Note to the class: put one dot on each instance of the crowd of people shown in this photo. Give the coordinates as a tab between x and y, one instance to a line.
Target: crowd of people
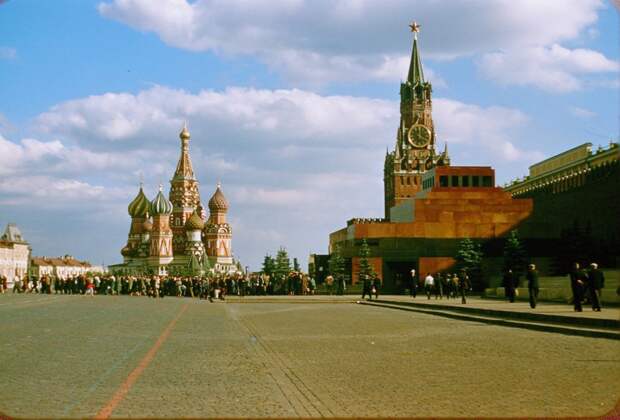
212	287
586	285
449	285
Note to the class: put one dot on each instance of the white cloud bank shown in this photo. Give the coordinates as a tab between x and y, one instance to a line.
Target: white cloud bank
282	155
320	41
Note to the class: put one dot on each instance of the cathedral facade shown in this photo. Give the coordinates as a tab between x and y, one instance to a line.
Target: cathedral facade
173	235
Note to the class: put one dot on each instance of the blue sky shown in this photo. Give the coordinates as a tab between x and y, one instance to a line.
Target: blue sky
291	104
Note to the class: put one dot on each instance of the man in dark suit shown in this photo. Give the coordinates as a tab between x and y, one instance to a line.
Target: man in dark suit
532	284
509	283
578	280
596	282
366	287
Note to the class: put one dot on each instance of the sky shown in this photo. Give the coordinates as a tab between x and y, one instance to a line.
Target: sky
291	104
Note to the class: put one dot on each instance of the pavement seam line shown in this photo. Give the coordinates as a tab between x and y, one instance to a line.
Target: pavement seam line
122	390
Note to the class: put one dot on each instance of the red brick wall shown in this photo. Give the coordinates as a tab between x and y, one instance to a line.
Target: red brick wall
435	264
375	262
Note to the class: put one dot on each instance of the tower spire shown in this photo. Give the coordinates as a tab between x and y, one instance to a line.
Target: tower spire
184	167
415	75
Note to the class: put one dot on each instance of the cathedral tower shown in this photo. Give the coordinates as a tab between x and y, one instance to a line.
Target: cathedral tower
184	195
138	210
218	233
161	234
414	152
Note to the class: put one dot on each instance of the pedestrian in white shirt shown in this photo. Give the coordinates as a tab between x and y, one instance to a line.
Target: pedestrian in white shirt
429	282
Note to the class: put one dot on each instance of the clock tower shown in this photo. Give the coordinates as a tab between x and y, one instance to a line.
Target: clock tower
414	153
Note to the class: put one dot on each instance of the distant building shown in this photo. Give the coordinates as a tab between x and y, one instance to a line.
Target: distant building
430	206
61	267
14	254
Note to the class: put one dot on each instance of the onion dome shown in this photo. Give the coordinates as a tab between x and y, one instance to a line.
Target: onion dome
147	226
195	222
160	204
184	135
139	206
126	251
218	202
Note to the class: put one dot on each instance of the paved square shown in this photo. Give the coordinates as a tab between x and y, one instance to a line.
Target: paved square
75	356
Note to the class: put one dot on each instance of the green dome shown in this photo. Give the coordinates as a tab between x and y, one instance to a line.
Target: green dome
160	205
195	222
139	206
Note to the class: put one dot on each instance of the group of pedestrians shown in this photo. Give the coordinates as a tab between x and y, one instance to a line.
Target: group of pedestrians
336	285
586	285
449	285
211	287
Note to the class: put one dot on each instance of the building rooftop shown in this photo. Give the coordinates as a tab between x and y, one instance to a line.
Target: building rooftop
12	234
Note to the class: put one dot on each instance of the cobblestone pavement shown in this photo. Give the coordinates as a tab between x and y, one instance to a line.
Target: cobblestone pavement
67	356
518	306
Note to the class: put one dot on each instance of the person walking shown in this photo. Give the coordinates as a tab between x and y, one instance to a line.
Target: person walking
329	284
532	284
439	286
596	282
366	287
342	285
429	282
413	290
509	284
578	280
463	284
376	285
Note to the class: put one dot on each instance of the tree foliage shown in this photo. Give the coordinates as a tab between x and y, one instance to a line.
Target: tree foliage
469	258
365	267
282	263
269	265
296	266
515	257
336	263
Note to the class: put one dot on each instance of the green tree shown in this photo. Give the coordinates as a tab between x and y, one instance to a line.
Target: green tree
514	254
282	263
365	267
269	265
336	263
296	266
469	258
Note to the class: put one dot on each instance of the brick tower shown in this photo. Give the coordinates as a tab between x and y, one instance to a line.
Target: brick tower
184	195
414	152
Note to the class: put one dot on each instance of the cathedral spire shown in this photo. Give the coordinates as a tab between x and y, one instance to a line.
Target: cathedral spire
415	75
184	167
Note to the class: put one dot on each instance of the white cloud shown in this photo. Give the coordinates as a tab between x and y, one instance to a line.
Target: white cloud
553	68
314	42
581	112
282	155
7	53
492	130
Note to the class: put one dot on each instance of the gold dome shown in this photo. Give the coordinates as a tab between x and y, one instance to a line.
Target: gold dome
218	202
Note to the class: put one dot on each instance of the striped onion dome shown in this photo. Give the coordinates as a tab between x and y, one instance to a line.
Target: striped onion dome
139	206
160	204
218	202
195	222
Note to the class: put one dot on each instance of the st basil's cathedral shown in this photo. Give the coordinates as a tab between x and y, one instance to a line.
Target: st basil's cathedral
173	235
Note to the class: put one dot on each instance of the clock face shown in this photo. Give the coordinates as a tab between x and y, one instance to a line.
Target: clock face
419	135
